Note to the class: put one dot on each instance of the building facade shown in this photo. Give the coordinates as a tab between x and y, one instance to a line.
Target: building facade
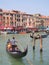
41	20
17	18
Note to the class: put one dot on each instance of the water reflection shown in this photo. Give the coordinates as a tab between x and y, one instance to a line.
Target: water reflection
33	54
15	61
41	57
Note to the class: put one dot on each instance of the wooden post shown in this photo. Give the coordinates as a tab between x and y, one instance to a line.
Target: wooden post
41	44
33	43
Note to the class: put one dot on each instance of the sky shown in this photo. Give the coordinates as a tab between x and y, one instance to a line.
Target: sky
28	6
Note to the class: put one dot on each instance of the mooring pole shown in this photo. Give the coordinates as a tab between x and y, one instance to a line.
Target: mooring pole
33	43
41	44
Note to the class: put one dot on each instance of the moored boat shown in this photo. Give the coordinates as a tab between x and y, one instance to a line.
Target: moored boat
37	35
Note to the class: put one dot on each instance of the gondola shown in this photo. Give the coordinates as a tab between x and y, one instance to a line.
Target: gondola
36	37
18	53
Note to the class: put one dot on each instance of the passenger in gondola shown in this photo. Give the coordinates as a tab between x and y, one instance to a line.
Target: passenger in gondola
9	46
17	49
8	41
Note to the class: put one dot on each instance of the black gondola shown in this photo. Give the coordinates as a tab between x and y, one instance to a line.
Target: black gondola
38	36
17	53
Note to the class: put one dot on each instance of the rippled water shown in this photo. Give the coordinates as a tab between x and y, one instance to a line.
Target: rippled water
32	57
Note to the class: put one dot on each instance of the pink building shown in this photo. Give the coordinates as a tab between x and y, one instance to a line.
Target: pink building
14	18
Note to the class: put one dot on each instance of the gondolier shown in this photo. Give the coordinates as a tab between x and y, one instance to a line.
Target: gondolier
13	43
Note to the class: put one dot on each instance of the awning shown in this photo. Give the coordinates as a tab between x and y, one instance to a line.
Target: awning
19	28
4	28
1	27
8	27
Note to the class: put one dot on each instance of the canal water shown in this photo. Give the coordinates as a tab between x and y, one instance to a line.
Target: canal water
32	57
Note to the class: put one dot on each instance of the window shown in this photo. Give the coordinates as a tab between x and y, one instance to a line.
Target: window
18	20
11	14
7	17
11	18
0	14
29	23
7	13
4	18
11	23
18	15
